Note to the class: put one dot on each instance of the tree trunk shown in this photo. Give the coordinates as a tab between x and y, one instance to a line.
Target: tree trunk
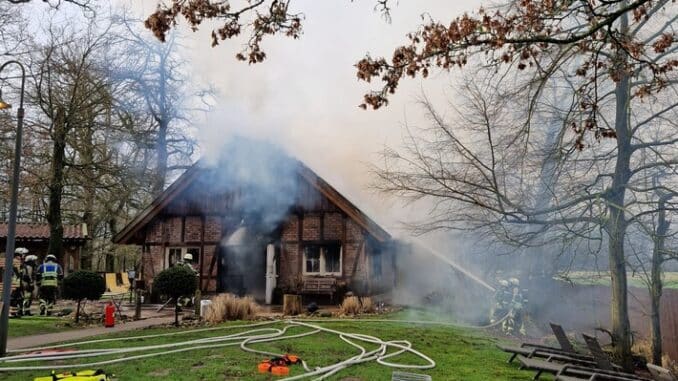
656	282
77	312
89	186
161	152
162	117
617	224
655	310
621	327
56	186
291	304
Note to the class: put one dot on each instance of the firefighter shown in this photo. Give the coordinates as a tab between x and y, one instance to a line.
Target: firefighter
502	299
49	274
16	292
29	270
514	323
187	261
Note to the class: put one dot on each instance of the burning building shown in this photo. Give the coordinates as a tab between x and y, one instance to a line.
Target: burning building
256	219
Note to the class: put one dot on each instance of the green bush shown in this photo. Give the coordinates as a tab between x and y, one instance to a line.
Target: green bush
175	282
81	285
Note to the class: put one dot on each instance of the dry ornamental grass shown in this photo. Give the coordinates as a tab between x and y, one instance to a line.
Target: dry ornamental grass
367	305
226	307
352	305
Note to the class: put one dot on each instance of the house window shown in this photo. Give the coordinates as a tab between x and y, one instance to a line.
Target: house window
312	259
175	254
322	260
333	259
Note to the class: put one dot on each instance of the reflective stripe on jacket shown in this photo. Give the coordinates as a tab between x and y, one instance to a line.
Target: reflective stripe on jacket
50	273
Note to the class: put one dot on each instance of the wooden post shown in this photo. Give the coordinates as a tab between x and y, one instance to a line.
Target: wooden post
137	305
291	304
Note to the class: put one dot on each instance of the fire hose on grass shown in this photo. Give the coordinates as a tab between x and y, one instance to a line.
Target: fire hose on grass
242	339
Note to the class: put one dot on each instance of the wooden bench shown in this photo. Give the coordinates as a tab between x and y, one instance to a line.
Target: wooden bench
320	286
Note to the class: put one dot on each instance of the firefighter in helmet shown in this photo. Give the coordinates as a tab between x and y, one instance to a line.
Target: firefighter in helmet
16	294
29	270
514	323
49	274
502	298
186	261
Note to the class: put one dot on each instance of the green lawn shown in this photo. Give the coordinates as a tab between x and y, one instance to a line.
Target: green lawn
670	279
460	354
35	325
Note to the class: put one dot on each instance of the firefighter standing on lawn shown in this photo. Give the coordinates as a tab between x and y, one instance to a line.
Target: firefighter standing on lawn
16	295
502	301
29	269
48	276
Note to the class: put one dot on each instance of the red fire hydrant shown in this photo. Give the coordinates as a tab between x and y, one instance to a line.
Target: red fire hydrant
109	315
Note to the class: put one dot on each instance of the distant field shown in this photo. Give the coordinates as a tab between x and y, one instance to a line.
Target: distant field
603	278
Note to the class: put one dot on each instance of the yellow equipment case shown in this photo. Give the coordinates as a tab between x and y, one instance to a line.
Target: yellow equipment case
84	375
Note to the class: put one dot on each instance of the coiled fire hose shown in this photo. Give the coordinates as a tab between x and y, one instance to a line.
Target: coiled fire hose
256	334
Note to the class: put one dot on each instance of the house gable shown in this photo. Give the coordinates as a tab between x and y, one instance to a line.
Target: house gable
193	194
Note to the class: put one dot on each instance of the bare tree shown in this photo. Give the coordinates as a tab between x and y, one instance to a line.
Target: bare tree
649	240
69	91
90	139
56	4
158	84
614	53
483	172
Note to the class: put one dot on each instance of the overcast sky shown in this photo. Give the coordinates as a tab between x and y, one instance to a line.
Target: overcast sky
305	96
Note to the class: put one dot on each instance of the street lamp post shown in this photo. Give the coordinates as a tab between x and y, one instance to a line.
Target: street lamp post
11	226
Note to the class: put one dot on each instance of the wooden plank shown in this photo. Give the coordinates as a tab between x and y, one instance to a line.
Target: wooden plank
355	263
217	252
183	228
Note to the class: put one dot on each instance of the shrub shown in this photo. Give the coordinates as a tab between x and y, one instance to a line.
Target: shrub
81	285
350	306
230	307
175	282
367	305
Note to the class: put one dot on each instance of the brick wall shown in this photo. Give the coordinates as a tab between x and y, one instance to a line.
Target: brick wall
193	229
173	227
290	259
155	230
352	252
212	229
311	228
353	231
290	229
333	226
153	262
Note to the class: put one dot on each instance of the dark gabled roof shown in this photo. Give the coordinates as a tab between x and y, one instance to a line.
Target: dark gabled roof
186	179
34	231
